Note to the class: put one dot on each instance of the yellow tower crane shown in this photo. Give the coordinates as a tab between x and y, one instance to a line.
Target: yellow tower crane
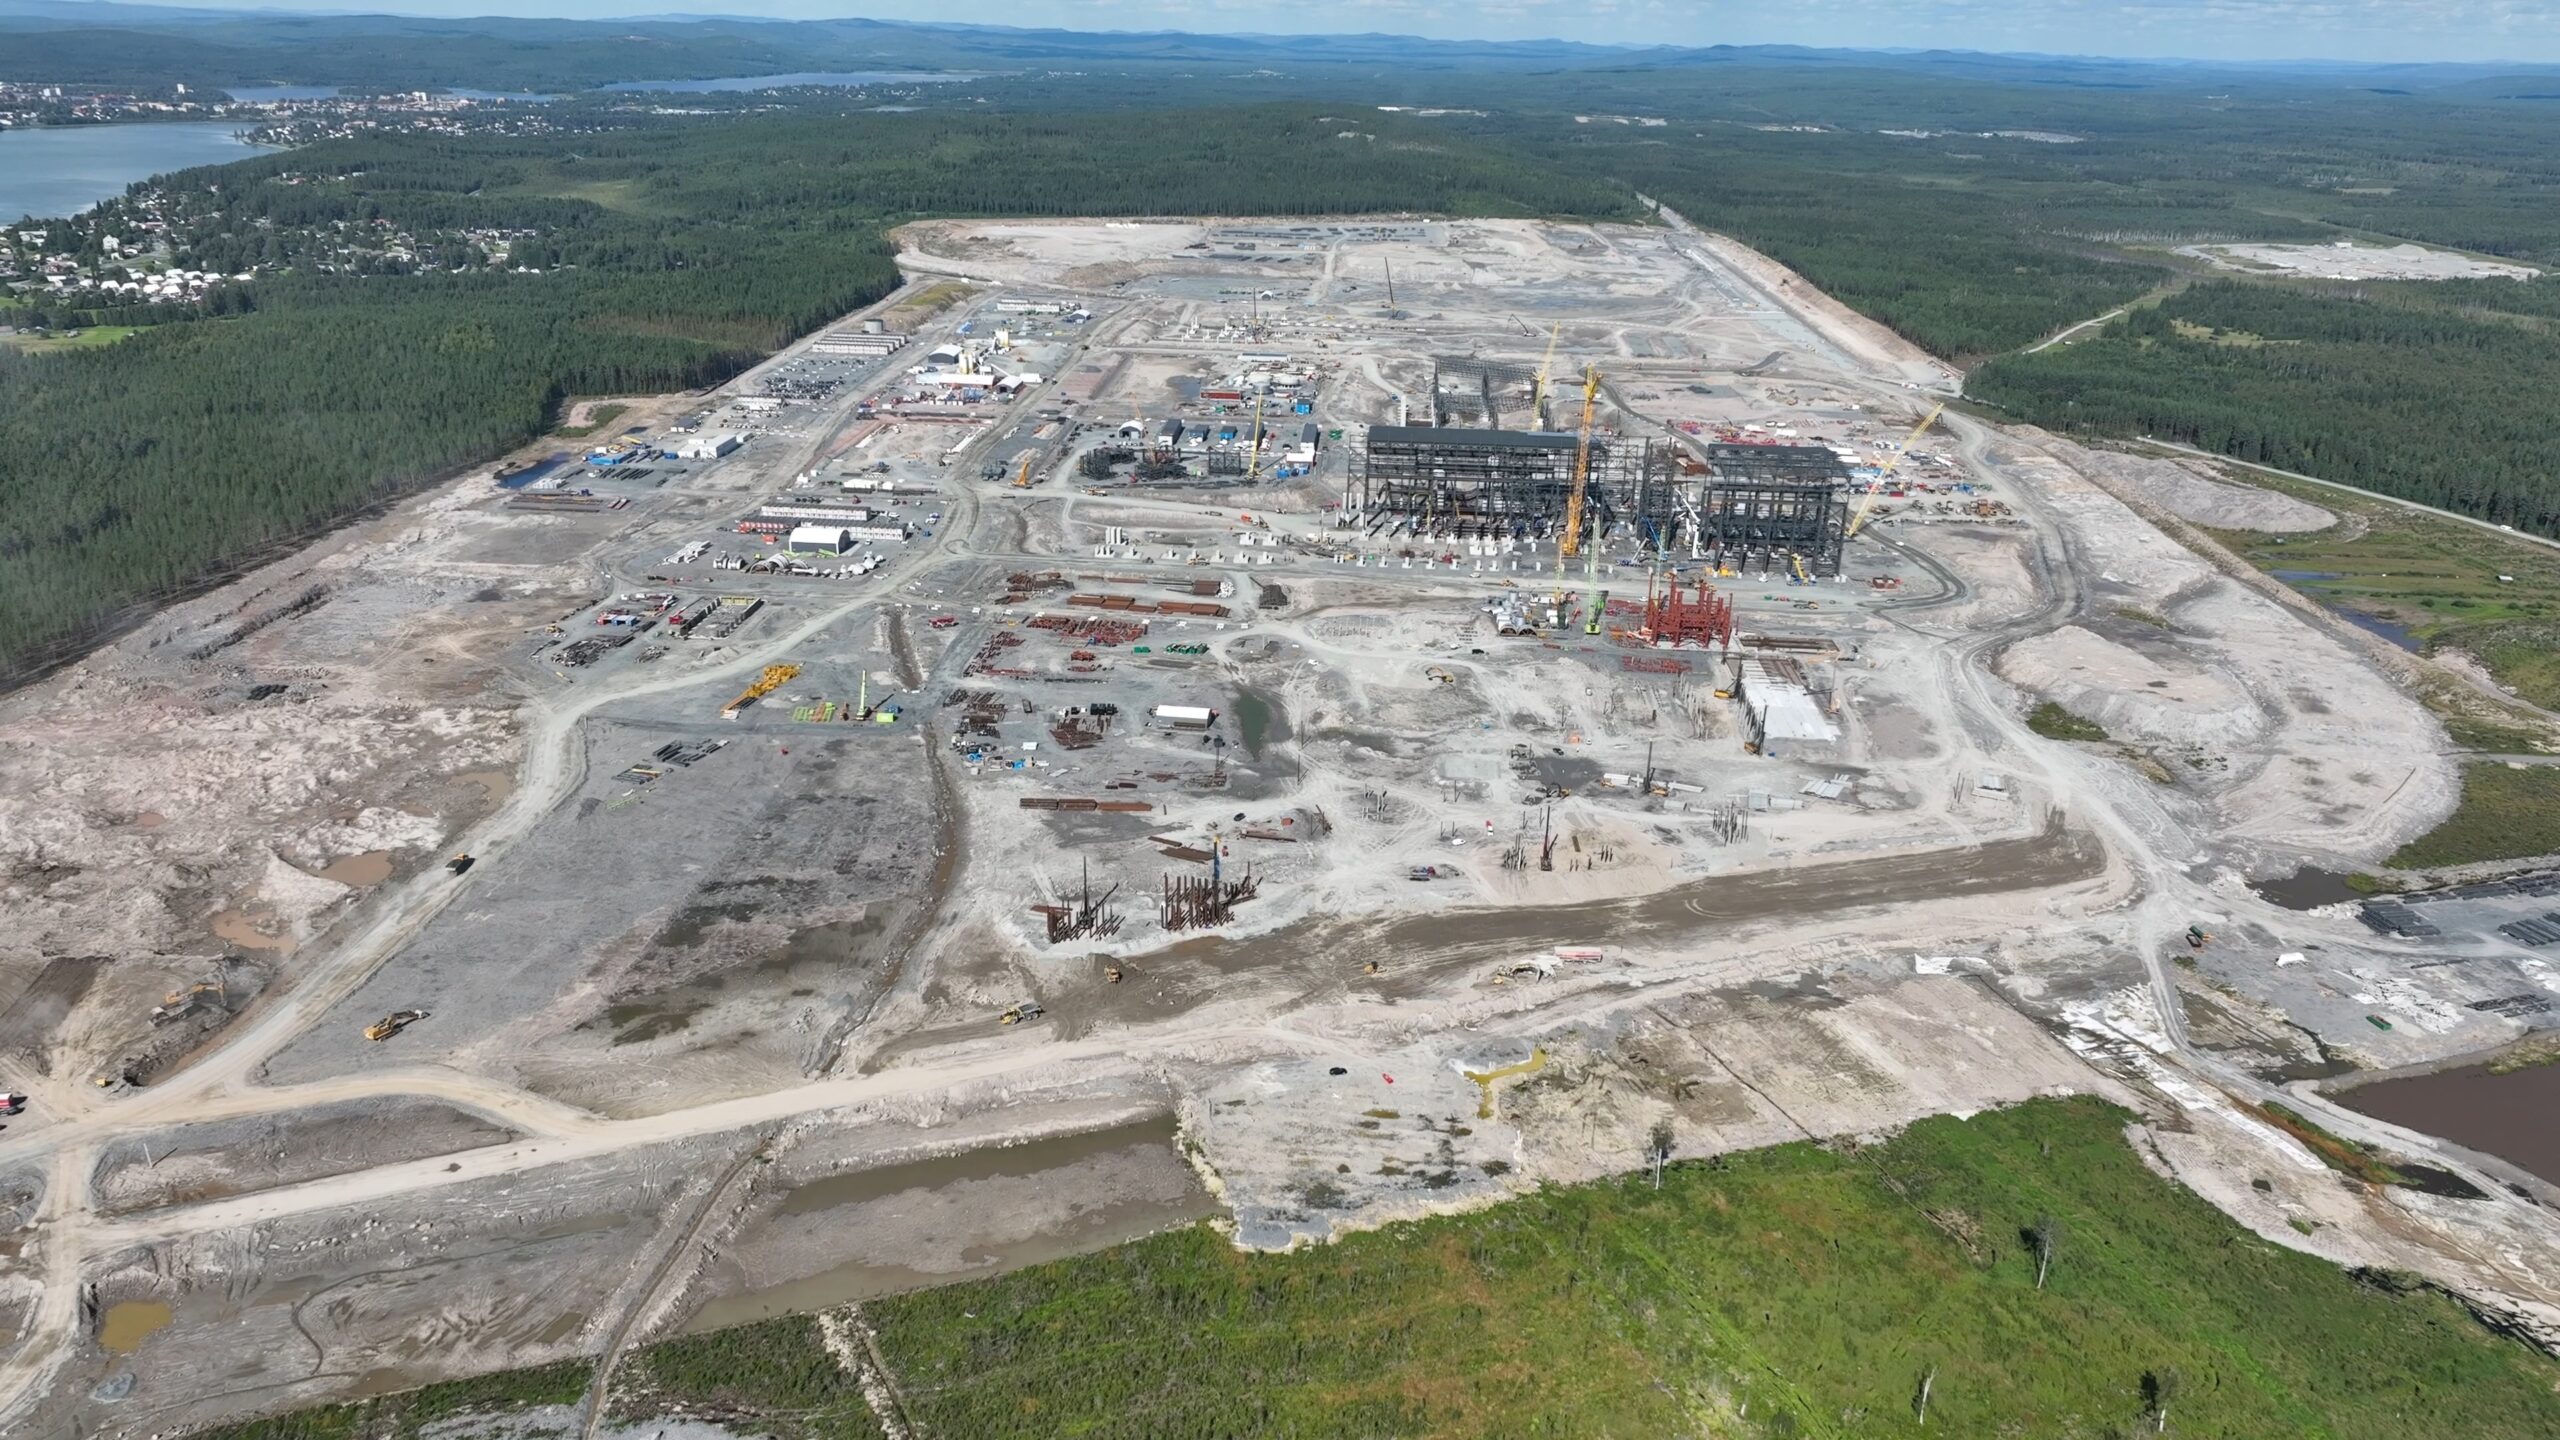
1571	544
1876	486
1538	396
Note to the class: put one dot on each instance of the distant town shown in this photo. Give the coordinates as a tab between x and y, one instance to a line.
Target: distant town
26	105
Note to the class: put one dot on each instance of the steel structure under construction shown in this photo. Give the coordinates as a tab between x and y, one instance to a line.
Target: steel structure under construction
1759	509
1470	391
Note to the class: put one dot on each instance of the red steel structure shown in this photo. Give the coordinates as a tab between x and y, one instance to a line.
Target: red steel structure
1674	617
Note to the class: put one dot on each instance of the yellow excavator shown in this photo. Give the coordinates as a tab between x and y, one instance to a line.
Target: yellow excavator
773	678
393	1023
1876	486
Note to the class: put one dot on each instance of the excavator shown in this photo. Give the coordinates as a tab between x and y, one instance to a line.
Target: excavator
179	1003
1875	487
773	678
393	1023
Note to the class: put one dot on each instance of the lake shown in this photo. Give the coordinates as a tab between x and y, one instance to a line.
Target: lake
805	77
62	170
2508	1115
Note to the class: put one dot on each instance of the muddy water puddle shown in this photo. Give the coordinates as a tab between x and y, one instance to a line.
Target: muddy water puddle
1260	721
240	927
2308	889
359	871
494	785
1000	1174
2508	1115
130	1322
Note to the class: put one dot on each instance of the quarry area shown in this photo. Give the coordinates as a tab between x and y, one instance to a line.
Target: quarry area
2346	260
1291	724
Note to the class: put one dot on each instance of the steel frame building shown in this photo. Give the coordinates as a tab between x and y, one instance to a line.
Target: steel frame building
1760	509
1474	484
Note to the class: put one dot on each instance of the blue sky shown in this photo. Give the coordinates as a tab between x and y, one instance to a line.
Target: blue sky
2474	30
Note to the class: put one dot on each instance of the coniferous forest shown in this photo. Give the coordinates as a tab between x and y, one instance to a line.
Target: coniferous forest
671	257
1975	214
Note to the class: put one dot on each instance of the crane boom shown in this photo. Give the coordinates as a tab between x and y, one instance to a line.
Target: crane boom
1538	399
1876	486
1571	544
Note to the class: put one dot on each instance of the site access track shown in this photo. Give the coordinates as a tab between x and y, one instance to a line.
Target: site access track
2141	847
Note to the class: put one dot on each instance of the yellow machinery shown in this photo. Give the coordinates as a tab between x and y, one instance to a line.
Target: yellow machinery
773	678
1253	461
393	1023
1876	487
1022	481
1569	544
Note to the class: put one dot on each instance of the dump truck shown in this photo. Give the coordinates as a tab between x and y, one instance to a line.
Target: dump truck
460	863
393	1023
1026	1011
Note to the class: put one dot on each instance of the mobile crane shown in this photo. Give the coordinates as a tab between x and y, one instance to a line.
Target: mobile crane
1875	487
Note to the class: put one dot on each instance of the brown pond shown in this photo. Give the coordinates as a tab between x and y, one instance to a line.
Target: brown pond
128	1323
2508	1115
358	871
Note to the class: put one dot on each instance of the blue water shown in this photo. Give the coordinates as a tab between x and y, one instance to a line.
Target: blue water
805	77
2375	625
63	170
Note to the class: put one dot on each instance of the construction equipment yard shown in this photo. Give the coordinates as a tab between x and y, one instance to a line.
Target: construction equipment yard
1303	723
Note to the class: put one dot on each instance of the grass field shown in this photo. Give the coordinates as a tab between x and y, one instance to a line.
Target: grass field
597	419
1792	1291
2507	812
1800	1291
88	339
2439	580
405	1415
2053	722
775	1374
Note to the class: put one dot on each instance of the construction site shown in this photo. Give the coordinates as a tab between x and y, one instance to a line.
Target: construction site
1065	772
